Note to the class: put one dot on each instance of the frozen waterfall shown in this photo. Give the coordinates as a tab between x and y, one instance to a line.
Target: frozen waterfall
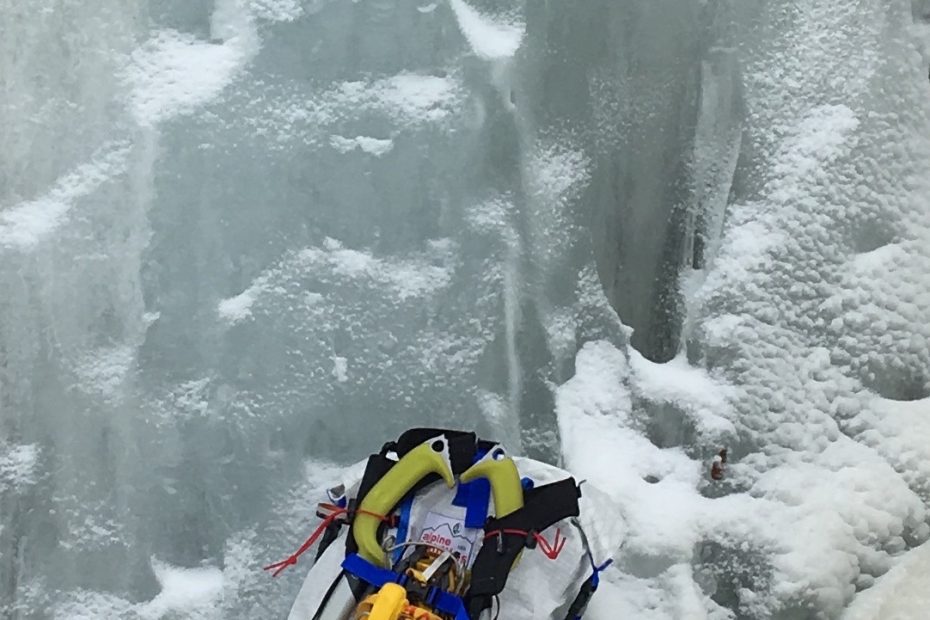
245	242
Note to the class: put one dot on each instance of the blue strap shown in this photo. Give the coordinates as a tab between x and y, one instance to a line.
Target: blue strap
594	579
475	497
596	575
377	576
368	572
479	496
450	604
403	526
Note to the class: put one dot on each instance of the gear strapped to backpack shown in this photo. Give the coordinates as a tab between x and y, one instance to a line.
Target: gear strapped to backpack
443	525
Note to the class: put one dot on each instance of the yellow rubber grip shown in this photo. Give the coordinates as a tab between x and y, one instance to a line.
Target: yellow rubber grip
430	457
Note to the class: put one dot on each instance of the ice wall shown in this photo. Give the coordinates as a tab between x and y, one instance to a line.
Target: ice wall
807	315
236	236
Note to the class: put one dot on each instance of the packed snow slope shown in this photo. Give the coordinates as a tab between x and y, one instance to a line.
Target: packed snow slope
244	242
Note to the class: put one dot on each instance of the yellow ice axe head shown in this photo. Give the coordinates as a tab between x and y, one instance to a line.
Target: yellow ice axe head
501	472
430	457
389	604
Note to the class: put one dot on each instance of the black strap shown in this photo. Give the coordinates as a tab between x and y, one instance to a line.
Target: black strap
580	604
329	536
355	584
543	506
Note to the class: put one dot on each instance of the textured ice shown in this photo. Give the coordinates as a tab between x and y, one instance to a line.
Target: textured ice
555	170
819	512
187	591
810	308
555	175
822	135
278	10
407	278
898	431
658	490
597	427
674	594
191	398
192	593
492	217
903	593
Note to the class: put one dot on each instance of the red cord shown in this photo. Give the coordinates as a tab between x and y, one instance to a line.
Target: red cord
291	560
551	550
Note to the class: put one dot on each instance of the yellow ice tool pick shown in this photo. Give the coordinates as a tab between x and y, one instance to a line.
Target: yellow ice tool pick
391	601
501	472
430	457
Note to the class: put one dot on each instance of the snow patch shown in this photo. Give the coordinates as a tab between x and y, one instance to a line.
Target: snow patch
191	398
408	278
25	225
408	97
672	595
880	261
183	591
555	170
405	278
490	216
17	465
239	307
340	368
372	146
690	388
172	73
191	593
489	39
418	96
104	370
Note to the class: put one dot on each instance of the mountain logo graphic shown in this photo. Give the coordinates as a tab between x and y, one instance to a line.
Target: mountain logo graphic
449	534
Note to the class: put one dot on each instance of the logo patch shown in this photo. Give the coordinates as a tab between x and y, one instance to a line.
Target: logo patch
449	534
